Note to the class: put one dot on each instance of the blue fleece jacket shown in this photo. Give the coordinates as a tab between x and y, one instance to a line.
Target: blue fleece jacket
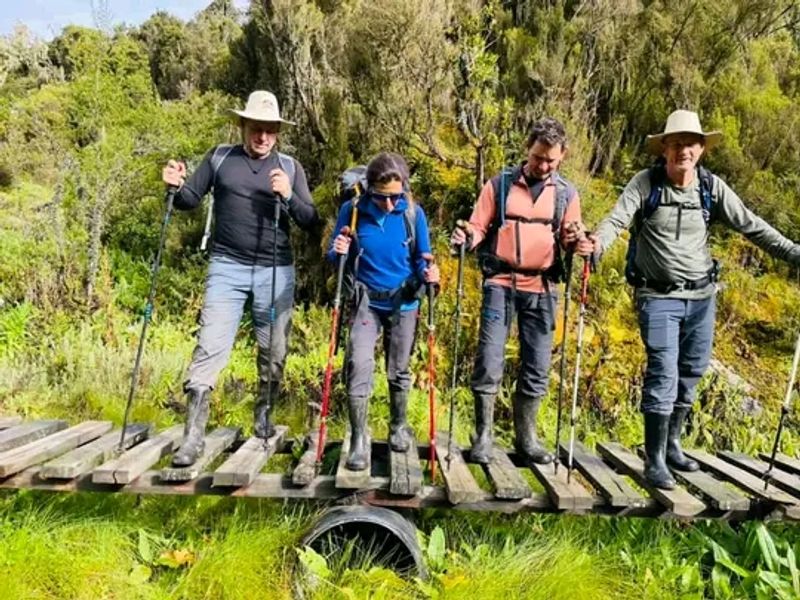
382	241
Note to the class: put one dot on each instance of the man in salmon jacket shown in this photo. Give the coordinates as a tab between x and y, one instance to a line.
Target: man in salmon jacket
524	219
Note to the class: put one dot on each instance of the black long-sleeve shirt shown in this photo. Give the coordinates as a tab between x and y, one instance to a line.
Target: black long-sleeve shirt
244	206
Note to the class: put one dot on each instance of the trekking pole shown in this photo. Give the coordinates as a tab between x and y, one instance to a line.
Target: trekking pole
787	404
431	374
581	318
275	223
453	377
563	366
332	343
148	313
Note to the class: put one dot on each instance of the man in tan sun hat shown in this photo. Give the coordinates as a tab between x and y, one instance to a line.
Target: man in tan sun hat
669	208
250	182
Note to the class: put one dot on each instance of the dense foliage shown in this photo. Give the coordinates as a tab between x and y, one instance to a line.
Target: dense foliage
88	119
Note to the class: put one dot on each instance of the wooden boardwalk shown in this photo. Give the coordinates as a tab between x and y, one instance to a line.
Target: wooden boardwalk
51	455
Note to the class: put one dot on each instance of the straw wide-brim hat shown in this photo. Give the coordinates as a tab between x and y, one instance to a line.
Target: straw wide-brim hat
262	106
682	121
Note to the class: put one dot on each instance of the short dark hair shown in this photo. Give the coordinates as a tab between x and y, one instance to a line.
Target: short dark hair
386	167
549	131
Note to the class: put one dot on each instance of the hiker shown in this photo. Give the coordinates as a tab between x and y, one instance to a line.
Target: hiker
248	180
390	259
669	208
524	218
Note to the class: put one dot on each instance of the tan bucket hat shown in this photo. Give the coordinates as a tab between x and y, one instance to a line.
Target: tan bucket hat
262	106
682	121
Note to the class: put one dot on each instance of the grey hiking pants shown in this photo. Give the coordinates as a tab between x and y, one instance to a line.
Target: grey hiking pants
229	284
535	318
399	333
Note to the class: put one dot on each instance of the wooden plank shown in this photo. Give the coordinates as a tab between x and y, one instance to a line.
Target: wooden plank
610	484
459	482
678	501
246	463
714	491
352	480
405	474
7	421
216	443
86	457
136	461
788	482
33	453
507	481
19	435
570	496
786	463
739	477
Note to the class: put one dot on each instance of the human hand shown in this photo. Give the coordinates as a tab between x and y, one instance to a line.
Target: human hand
174	174
280	183
341	244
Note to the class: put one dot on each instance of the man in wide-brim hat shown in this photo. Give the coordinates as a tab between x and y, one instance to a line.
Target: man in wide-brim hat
669	208
249	181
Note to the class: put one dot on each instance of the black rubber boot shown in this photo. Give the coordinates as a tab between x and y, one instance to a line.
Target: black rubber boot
483	442
656	428
195	429
675	456
262	426
400	434
526	441
358	457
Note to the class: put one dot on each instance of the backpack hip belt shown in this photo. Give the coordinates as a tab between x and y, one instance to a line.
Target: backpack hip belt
667	287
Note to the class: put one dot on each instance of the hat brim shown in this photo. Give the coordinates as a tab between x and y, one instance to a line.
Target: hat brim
655	143
259	117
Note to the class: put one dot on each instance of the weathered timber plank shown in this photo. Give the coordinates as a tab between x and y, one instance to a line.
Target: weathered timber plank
352	480
215	444
86	457
246	463
678	501
786	463
19	435
33	453
569	496
788	482
405	474
720	496
9	421
507	481
461	485
136	461
611	485
739	477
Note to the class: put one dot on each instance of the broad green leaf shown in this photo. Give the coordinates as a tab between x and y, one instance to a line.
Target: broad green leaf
768	550
436	548
314	562
140	574
145	549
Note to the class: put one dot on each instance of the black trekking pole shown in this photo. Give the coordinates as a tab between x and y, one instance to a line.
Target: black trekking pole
454	376
275	223
576	380
431	289
787	404
563	365
148	313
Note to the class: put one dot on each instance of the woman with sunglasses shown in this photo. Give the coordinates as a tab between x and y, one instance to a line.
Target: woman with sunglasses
390	262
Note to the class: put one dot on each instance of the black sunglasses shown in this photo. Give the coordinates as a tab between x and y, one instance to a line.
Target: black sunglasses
380	197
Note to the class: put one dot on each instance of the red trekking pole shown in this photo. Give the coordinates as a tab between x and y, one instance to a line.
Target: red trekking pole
335	316
431	373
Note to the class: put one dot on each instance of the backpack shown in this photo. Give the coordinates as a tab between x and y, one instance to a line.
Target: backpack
658	177
220	153
490	263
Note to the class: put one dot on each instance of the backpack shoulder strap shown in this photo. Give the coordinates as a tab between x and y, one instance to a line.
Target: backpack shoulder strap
217	157
706	193
410	218
657	175
565	193
287	165
501	185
